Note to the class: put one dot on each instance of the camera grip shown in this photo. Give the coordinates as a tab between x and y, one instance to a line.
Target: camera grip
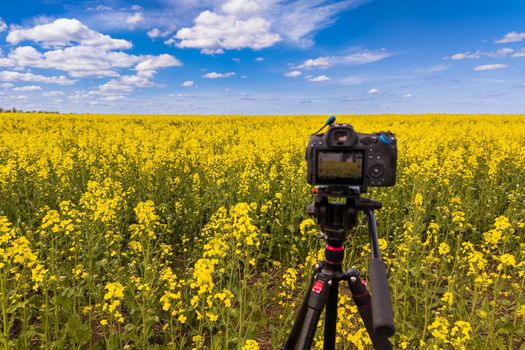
382	318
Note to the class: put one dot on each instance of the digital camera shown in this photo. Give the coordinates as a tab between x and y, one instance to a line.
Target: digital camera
342	156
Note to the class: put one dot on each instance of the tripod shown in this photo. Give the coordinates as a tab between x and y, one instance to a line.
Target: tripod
336	220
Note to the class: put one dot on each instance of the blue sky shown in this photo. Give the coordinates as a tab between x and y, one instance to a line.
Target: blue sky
263	56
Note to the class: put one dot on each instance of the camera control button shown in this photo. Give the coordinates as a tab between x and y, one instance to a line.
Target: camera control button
371	149
376	171
378	157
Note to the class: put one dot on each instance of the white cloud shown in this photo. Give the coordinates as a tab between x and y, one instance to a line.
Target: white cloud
298	21
214	33
78	61
27	88
103	8
519	54
293	74
81	61
30	77
260	59
187	83
157	33
433	69
84	61
365	57
114	98
245	7
319	78
118	86
54	93
406	96
320	62
214	75
373	91
500	53
136	8
155	62
458	56
355	58
295	21
135	18
63	32
6	85
504	52
146	70
257	24
511	37
136	80
466	55
3	26
490	67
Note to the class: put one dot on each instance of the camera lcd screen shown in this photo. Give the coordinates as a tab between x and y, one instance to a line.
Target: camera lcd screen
340	165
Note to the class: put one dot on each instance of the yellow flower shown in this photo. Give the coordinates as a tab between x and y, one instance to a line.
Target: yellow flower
521	311
443	248
211	316
198	342
38	273
250	345
502	223
114	291
308	227
508	260
290	278
383	244
440	328
448	298
418	200
460	334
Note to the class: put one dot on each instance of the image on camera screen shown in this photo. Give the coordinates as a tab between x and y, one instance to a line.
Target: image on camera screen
340	165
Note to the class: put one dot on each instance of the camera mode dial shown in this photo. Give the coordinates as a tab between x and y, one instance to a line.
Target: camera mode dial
387	138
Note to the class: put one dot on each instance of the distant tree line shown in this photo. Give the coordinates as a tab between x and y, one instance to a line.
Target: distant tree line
14	110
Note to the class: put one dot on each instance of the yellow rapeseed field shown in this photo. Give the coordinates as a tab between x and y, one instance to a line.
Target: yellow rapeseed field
137	232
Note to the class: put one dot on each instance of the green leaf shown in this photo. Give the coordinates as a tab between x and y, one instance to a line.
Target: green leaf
77	330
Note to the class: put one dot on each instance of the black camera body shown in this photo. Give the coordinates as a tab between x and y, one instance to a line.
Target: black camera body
343	157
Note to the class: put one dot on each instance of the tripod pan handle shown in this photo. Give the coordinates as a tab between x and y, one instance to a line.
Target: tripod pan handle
382	318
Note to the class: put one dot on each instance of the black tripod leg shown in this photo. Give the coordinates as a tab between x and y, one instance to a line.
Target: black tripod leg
299	321
363	302
316	303
330	317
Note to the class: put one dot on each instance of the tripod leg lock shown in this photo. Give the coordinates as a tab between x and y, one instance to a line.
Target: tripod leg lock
319	293
357	286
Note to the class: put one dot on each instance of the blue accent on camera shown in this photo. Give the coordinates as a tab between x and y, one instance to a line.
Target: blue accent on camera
385	139
330	120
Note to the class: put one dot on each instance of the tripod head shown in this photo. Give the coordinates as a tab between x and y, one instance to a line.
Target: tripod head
335	209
